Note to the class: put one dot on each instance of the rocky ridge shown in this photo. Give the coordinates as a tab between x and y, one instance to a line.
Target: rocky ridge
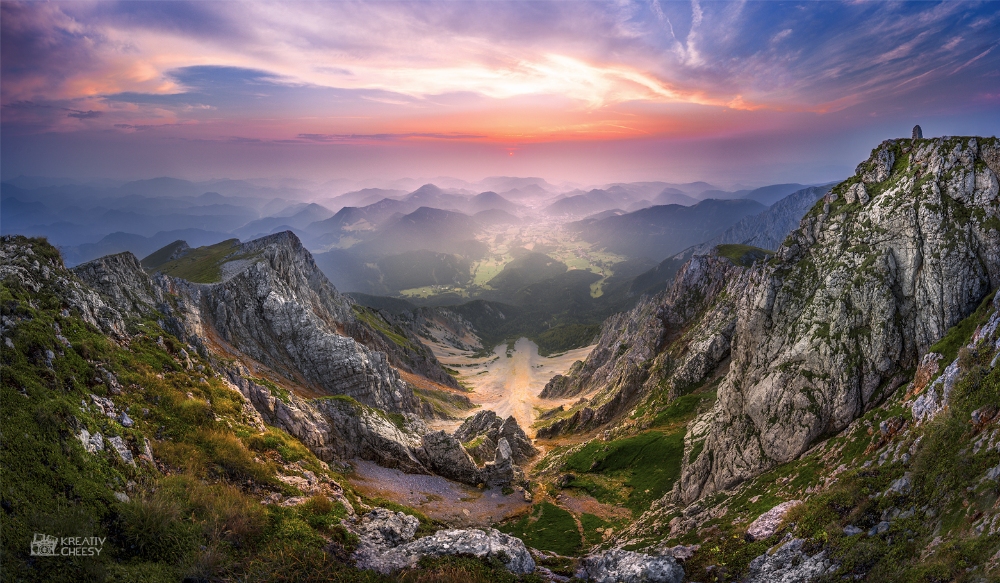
877	272
669	342
279	310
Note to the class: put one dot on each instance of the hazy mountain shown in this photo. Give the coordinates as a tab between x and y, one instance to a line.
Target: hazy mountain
496	217
503	184
137	244
356	219
671	195
583	204
430	195
425	228
350	273
692	188
722	194
605	214
525	270
531	191
302	218
364	197
487	201
660	231
768	229
421	268
771	194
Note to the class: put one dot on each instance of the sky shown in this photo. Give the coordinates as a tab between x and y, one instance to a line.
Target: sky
745	93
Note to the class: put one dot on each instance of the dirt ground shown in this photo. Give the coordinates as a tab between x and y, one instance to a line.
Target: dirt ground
441	499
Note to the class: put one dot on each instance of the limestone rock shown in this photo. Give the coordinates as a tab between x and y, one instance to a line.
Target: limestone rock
446	457
630	357
788	564
121	278
620	566
487	543
873	286
879	166
918	133
124	454
92	443
386	528
766	230
489	427
333	428
768	522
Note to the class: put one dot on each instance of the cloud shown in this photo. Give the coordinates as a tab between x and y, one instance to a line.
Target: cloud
89	114
386	137
448	68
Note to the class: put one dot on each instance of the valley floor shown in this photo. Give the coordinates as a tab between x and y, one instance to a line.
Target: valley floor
509	380
450	502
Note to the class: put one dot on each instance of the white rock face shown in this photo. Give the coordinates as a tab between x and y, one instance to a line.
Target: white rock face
629	350
385	528
620	566
768	523
124	454
788	564
855	298
387	544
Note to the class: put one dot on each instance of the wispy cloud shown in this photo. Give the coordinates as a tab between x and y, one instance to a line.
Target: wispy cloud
385	137
434	69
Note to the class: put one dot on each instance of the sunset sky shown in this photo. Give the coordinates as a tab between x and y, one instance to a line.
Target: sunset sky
729	92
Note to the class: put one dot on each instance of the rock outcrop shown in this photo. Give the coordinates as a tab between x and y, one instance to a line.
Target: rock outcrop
621	566
121	278
336	427
855	297
634	354
788	564
275	306
387	545
342	428
482	433
767	523
447	456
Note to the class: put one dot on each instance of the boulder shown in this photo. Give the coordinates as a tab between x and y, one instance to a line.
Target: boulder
788	564
621	566
486	428
487	543
768	522
385	528
386	544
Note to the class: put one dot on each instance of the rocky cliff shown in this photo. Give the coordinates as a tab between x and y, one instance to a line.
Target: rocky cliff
272	305
876	273
666	343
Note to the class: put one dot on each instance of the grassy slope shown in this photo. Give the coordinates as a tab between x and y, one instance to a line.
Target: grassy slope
198	513
200	265
744	255
161	255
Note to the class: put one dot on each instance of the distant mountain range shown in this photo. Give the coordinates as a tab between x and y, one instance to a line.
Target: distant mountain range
660	231
90	219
